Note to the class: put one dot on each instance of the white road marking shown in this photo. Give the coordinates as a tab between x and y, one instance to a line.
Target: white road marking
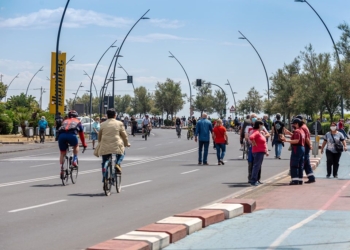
190	171
99	169
137	183
31	155
42	165
42	205
131	158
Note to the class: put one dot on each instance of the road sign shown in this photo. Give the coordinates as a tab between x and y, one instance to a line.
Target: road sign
61	82
232	109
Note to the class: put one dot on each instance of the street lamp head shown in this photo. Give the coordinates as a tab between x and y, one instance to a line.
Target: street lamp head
234	92
145	18
41	70
241	38
113	46
227	83
118	56
171	56
300	1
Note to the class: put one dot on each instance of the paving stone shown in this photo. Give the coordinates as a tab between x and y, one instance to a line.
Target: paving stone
208	217
230	210
176	232
249	205
192	224
121	245
156	240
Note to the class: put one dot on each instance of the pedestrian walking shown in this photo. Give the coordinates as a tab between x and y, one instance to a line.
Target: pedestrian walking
297	142
133	126
202	135
259	150
95	130
247	133
336	144
126	122
43	124
221	140
277	132
340	128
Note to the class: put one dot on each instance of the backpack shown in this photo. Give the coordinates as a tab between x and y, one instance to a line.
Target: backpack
59	121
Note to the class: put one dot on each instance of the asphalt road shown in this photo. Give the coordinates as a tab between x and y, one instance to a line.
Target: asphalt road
160	178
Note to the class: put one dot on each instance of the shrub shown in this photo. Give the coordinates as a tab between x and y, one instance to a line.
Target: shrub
169	123
6	124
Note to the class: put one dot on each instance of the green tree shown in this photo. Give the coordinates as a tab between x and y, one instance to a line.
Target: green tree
204	98
22	100
344	44
168	97
252	103
220	102
3	90
143	100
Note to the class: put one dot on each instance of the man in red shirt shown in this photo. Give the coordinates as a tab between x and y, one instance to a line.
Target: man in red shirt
297	142
308	147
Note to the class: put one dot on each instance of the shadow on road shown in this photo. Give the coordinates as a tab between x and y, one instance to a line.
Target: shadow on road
48	185
88	195
238	184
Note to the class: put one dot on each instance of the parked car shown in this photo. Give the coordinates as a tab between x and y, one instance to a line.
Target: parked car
85	121
139	125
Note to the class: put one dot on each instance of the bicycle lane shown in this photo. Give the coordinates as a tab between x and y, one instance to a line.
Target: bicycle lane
315	216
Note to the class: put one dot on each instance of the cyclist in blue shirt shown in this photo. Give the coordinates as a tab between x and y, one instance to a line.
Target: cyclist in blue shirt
68	132
42	128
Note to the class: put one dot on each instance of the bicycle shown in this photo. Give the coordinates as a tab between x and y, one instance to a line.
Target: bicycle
147	133
110	177
69	170
189	133
245	149
178	131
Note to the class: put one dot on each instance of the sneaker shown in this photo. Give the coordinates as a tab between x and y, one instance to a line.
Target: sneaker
118	169
206	164
254	184
309	181
294	183
75	163
335	176
260	182
300	182
328	176
199	163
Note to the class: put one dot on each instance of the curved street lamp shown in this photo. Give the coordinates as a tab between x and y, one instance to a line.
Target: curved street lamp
222	91
70	60
120	48
233	94
10	85
189	84
76	93
267	78
335	47
41	69
57	51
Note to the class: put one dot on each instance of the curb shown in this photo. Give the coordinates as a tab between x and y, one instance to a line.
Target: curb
162	233
172	229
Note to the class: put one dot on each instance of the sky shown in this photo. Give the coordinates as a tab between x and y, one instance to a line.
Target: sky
202	34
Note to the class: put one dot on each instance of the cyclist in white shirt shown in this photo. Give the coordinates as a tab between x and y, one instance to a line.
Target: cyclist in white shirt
146	122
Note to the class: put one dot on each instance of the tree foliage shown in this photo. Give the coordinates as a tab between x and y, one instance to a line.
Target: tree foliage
168	97
143	100
252	103
204	99
3	90
220	102
21	100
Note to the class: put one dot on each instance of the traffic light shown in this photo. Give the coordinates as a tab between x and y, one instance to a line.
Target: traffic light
199	82
129	79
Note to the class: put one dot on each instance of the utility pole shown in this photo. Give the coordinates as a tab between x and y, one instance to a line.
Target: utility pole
42	90
1	78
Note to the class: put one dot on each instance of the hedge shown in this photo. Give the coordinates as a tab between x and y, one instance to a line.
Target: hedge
6	124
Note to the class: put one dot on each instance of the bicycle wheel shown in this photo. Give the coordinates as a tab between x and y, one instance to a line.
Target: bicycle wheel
65	175
107	182
146	136
118	181
74	174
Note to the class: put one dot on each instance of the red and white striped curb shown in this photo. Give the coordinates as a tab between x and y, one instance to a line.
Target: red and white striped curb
169	230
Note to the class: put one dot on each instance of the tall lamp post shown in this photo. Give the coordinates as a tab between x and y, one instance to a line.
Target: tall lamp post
41	69
80	85
189	83
121	67
335	48
57	51
10	85
120	48
233	94
267	78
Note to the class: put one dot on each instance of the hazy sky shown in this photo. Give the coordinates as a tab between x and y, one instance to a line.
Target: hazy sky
202	34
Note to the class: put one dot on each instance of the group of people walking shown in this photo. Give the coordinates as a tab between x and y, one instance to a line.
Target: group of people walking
256	134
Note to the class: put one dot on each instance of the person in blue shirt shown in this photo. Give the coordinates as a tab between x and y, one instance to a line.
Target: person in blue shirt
42	128
203	130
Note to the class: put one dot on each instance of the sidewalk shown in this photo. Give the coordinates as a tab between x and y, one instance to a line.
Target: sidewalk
314	216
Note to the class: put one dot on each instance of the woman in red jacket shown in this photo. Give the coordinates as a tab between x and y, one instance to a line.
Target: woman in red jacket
259	149
221	140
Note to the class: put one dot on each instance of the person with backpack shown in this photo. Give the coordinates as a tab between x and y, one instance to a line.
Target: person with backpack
43	124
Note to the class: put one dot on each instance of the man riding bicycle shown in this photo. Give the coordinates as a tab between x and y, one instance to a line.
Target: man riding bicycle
112	139
146	123
68	132
178	125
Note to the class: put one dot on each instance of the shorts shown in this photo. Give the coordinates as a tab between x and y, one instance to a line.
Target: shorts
67	139
94	136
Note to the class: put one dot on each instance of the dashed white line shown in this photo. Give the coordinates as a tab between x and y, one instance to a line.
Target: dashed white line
42	205
42	165
137	183
190	171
